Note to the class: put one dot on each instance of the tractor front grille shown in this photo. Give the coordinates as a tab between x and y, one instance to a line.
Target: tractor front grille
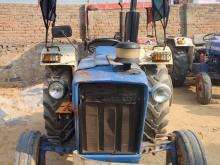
109	118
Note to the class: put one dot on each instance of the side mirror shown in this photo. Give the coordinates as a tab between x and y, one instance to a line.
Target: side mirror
61	31
160	9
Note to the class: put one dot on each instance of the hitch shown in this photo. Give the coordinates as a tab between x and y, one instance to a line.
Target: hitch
162	142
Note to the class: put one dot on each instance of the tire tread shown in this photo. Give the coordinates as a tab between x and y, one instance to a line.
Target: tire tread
156	119
179	69
189	149
50	105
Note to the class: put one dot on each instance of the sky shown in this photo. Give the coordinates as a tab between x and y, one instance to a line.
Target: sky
58	1
91	1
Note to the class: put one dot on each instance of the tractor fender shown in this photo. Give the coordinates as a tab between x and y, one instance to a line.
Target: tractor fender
186	44
181	41
147	51
67	55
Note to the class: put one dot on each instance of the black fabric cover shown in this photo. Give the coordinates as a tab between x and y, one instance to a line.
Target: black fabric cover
160	9
48	8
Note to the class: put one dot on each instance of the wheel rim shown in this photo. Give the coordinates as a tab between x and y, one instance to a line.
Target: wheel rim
180	159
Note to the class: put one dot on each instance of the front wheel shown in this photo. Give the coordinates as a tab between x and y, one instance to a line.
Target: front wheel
203	88
189	150
27	149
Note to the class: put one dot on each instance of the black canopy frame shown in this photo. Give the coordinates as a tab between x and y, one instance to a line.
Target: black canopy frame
160	11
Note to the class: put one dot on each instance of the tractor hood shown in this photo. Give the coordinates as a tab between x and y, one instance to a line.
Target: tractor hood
98	68
107	74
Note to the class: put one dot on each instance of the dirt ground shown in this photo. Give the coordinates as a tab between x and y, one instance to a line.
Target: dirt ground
21	109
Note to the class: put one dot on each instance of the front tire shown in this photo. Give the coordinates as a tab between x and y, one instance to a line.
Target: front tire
27	149
157	120
203	88
189	150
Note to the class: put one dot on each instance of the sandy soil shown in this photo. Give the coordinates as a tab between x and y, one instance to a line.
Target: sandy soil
21	109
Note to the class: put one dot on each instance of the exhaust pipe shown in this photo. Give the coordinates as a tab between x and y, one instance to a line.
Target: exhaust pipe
122	21
132	23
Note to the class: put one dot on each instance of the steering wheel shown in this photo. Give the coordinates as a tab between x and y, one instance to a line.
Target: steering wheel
208	37
101	42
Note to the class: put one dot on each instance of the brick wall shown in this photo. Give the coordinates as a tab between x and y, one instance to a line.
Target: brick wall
202	19
110	24
175	24
21	40
184	20
20	66
22	33
99	27
23	24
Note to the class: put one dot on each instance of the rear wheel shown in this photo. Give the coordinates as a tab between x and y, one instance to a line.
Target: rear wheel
189	150
178	70
27	149
55	73
203	88
156	120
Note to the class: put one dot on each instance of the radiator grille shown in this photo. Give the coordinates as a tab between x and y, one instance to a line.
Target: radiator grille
109	118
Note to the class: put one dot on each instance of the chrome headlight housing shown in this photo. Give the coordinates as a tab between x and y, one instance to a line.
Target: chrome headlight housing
161	93
57	90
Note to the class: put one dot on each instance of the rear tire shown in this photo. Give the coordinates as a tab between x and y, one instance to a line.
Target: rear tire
178	70
189	149
55	73
156	120
203	88
27	149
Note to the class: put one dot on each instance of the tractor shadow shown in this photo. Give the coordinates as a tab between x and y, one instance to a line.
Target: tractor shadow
10	132
22	111
216	96
21	67
212	153
186	97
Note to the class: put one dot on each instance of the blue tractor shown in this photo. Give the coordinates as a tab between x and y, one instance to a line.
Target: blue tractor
199	59
207	66
111	106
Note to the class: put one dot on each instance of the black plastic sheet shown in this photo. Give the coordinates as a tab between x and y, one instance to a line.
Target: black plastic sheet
48	8
160	9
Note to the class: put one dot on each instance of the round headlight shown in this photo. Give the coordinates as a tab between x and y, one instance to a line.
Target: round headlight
161	93
57	90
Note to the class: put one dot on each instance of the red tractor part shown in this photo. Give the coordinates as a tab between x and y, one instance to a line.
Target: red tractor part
117	6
